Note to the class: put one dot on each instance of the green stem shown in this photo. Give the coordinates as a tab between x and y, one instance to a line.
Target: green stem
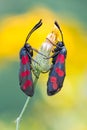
24	108
20	116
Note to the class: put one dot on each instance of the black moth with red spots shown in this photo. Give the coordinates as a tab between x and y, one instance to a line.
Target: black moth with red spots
25	75
57	72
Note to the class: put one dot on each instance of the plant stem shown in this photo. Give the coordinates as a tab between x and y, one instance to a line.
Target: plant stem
20	116
24	107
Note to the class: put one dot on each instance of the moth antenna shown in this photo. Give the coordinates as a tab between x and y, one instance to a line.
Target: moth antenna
33	29
56	23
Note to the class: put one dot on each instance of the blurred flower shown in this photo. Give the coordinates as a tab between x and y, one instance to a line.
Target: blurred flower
45	49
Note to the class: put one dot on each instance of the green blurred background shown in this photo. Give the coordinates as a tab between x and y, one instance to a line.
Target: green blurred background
68	109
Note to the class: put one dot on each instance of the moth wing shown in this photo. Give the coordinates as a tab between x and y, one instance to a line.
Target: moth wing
57	74
25	75
52	84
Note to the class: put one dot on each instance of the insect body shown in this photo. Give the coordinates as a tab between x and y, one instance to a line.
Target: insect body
25	75
57	72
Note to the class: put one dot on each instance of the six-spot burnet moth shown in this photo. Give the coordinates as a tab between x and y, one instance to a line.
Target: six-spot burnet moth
25	75
57	72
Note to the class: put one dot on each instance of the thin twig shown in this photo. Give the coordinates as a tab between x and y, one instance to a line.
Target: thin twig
20	116
24	108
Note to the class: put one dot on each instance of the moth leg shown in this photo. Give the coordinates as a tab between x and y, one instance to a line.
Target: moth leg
38	52
52	55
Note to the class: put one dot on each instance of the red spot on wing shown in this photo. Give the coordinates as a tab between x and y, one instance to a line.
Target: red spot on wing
27	84
59	72
25	59
55	86
25	73
60	58
53	79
